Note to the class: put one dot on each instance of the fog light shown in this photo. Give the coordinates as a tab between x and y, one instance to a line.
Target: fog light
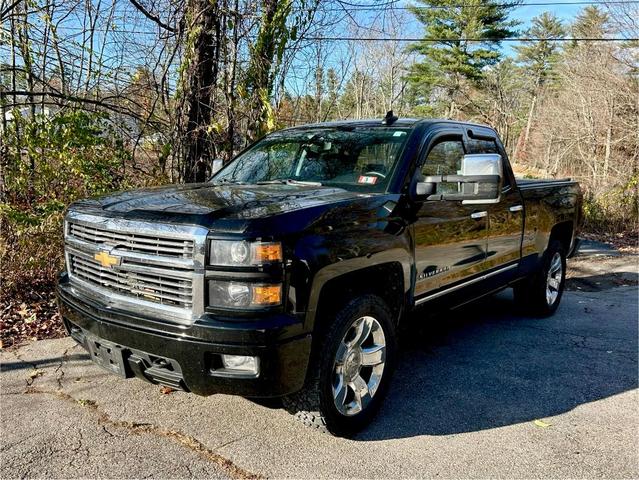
241	363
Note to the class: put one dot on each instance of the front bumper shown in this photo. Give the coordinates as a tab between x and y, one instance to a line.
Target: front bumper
192	352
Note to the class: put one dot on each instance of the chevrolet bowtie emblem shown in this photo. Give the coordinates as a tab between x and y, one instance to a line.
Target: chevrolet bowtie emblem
106	260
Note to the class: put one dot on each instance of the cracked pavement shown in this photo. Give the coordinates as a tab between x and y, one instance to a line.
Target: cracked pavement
468	390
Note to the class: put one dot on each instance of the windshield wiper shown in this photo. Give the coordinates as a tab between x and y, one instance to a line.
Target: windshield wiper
229	180
289	181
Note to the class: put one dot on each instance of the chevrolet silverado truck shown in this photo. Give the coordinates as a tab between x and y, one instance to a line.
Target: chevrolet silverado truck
288	273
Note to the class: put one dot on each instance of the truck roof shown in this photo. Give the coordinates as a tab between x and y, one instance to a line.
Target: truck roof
376	122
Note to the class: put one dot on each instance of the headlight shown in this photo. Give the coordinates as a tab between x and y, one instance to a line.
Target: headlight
233	294
243	253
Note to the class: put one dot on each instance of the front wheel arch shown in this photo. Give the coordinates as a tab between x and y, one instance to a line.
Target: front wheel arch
315	404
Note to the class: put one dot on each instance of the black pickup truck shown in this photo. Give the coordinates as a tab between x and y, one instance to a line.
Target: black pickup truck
288	273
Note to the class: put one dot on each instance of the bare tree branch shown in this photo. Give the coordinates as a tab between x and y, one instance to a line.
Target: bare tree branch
152	17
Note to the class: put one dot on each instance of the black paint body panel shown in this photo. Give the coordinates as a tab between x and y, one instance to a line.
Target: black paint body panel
326	233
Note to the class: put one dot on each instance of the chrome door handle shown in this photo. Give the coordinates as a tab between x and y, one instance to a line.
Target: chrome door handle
516	208
477	215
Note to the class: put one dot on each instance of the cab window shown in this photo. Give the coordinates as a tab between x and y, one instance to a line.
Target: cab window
445	158
477	145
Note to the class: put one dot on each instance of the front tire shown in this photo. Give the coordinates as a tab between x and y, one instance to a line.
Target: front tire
351	373
541	293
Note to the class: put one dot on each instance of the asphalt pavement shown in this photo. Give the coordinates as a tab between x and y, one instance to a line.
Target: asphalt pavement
479	392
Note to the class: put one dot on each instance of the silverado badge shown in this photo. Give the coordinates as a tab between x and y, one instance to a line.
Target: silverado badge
107	260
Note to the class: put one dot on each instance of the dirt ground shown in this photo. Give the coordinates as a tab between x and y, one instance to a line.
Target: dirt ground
601	272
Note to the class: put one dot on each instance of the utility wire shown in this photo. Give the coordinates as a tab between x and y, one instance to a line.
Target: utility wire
401	39
477	40
373	8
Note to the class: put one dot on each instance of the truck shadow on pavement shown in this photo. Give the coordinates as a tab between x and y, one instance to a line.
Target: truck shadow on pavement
41	363
484	366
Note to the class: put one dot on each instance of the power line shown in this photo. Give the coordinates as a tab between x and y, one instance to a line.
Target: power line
409	39
475	40
378	8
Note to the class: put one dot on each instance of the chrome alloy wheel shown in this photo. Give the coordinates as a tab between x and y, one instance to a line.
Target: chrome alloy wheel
359	365
553	280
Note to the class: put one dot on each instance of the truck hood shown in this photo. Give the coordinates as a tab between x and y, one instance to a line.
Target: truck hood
207	204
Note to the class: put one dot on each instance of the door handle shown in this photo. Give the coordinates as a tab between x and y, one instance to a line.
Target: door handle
516	208
477	215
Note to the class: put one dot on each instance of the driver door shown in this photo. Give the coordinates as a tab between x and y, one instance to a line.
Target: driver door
450	238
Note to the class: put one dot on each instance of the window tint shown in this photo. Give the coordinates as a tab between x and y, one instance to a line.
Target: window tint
445	158
476	145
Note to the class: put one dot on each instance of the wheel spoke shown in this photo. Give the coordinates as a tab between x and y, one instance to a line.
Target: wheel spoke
362	331
556	265
340	356
553	283
361	393
339	392
374	355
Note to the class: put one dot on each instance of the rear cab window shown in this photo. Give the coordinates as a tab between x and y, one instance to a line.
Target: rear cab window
487	144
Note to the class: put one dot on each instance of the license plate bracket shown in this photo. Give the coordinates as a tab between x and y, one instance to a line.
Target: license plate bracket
108	355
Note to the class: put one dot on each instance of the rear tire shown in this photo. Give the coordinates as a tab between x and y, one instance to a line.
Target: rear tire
540	294
350	375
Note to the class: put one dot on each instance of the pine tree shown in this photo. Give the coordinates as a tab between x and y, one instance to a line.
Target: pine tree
591	23
450	57
540	58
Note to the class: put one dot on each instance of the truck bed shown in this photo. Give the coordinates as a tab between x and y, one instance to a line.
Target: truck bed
526	183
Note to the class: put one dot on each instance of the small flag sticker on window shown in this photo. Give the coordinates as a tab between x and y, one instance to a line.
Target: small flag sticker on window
367	180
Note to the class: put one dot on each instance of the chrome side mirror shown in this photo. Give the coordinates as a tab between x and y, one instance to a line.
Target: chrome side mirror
478	181
483	164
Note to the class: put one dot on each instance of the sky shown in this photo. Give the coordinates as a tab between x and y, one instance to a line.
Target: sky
565	10
566	13
523	13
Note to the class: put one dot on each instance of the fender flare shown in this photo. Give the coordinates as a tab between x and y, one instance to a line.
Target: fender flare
344	267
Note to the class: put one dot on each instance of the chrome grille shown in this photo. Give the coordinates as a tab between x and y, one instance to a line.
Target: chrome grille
149	286
153	268
147	244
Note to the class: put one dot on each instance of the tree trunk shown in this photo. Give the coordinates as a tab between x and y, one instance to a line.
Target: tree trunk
529	121
451	108
266	52
199	77
231	86
608	141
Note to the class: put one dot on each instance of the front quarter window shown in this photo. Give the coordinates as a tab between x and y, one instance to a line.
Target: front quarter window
361	159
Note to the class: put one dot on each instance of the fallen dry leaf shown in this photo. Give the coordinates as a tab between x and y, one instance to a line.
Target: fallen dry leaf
36	373
542	424
167	390
23	312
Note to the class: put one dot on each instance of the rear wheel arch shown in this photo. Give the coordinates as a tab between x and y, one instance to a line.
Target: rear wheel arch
539	294
563	233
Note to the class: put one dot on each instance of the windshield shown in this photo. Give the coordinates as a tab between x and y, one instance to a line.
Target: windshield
361	159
